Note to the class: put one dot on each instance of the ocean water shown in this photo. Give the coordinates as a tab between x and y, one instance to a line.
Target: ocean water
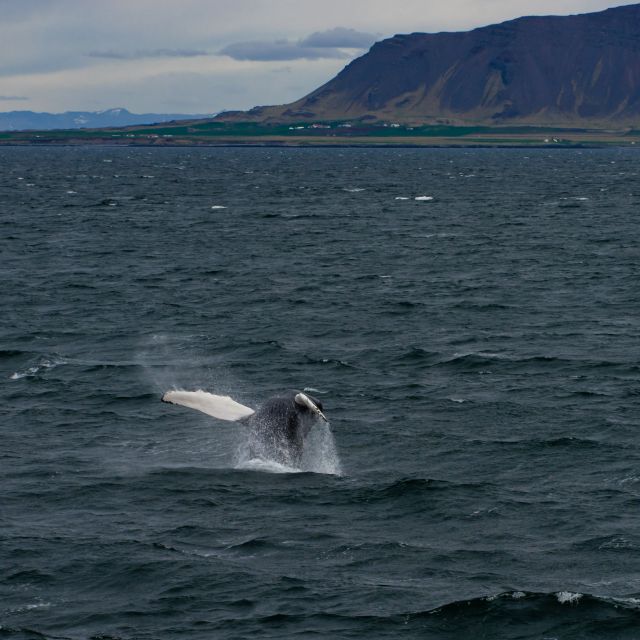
469	319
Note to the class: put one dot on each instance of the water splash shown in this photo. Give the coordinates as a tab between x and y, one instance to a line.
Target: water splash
265	465
320	454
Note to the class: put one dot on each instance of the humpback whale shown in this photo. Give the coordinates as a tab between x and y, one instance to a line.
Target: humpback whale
277	429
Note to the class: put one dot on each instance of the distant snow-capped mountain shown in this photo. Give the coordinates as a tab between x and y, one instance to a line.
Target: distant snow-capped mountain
21	120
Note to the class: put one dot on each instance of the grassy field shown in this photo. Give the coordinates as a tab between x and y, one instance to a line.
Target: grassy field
323	134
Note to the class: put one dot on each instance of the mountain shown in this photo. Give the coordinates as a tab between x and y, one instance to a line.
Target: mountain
23	120
549	70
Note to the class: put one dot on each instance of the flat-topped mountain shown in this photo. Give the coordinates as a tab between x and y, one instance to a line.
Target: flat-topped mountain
580	70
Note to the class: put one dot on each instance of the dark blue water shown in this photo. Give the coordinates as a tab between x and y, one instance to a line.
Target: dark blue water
477	355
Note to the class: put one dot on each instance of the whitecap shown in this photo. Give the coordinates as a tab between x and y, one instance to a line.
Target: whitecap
218	206
514	595
568	597
355	189
628	601
423	198
29	607
401	198
35	369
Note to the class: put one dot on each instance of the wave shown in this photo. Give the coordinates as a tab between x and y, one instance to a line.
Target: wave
560	442
251	545
528	615
41	365
481	359
408	489
509	615
11	353
334	362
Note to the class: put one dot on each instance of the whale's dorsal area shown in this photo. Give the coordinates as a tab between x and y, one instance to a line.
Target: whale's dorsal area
221	407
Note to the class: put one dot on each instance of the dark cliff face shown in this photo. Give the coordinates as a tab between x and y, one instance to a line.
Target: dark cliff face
558	69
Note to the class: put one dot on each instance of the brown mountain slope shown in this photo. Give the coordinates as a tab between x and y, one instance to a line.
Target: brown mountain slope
577	70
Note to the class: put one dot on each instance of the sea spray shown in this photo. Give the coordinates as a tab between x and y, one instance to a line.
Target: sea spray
320	454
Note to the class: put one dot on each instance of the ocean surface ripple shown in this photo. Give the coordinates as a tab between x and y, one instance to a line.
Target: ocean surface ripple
469	319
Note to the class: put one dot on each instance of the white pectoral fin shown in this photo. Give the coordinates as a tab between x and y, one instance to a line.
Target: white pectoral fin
305	401
221	407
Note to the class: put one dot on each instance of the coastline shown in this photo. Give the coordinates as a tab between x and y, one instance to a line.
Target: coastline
328	135
317	144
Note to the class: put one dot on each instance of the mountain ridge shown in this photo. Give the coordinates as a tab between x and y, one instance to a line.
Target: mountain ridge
581	69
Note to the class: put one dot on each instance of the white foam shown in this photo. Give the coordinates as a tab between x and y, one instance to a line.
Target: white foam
265	465
218	206
568	597
423	198
632	601
401	198
32	371
29	607
355	189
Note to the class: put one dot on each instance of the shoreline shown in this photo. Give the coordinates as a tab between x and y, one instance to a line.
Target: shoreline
251	135
458	144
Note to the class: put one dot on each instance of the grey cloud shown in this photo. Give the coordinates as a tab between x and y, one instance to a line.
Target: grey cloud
320	44
340	37
13	98
147	53
278	50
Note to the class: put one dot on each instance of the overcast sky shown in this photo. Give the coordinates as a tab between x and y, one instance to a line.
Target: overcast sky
204	56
